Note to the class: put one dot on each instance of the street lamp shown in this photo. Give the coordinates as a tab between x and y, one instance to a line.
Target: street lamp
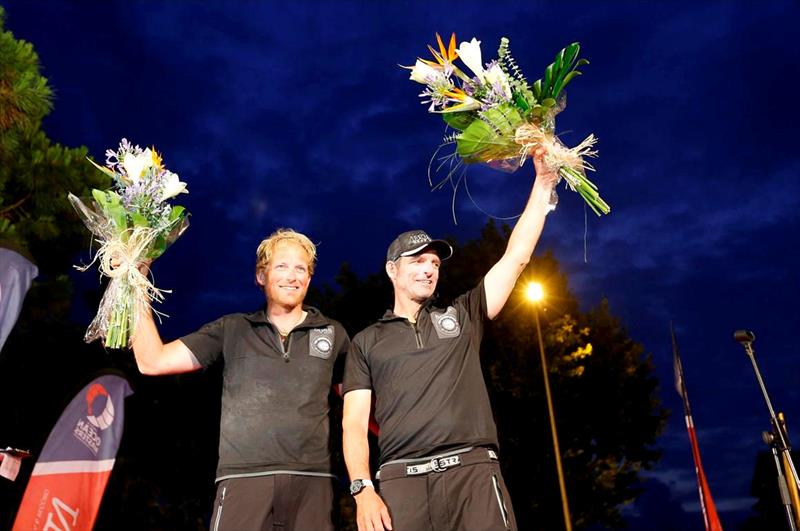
535	293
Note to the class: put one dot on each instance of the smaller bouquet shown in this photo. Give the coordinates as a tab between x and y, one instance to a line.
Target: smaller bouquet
500	119
132	222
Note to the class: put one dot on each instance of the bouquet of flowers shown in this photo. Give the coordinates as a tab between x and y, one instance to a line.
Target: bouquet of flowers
132	222
499	117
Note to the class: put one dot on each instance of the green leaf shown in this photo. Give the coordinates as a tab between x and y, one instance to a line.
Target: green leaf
569	53
458	120
548	80
113	197
176	212
536	88
474	139
558	64
492	136
504	118
100	197
117	214
548	103
139	220
521	102
102	168
569	78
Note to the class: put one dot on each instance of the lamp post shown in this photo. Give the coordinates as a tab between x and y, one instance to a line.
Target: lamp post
535	293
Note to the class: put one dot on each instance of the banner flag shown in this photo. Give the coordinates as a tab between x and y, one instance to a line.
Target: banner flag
16	275
68	480
706	501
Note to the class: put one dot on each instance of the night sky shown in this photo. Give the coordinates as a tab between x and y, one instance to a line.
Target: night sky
299	116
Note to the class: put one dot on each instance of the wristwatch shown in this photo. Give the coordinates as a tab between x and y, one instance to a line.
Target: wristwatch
357	485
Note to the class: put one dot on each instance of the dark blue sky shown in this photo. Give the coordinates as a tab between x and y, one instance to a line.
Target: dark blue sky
298	116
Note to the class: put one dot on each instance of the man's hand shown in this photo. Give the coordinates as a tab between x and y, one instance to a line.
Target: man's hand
143	266
546	178
371	513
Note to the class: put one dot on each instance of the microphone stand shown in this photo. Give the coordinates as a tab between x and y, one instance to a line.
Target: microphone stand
777	440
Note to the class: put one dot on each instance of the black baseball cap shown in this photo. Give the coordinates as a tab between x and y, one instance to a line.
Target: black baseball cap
411	242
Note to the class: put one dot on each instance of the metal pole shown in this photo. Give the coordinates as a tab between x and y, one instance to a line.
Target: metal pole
781	439
783	486
557	451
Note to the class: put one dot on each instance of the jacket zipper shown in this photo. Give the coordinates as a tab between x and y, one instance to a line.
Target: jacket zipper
416	334
284	350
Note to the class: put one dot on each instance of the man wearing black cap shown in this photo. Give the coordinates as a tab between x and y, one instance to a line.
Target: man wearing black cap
438	441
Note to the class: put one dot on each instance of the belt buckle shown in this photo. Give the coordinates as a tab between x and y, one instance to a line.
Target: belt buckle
440	464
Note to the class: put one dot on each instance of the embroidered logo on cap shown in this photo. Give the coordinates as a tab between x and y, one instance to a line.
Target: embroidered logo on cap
416	239
320	342
446	323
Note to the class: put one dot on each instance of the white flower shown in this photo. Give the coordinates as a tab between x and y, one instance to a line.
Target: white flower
498	80
172	186
135	165
423	72
470	54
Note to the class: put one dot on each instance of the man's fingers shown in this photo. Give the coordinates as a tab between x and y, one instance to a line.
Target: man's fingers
387	520
370	522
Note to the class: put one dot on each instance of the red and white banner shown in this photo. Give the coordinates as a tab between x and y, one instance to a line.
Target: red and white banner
68	480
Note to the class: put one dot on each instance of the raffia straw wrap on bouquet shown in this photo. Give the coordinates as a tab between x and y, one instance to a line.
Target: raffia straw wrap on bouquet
132	223
570	163
499	118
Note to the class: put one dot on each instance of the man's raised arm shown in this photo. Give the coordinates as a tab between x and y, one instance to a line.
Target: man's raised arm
502	277
153	356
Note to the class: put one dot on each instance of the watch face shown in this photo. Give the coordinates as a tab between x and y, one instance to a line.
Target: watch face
356	486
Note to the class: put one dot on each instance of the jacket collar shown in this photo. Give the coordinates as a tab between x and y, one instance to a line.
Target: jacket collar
314	319
426	307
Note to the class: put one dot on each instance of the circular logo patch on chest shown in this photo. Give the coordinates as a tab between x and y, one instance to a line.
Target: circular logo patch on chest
448	323
323	344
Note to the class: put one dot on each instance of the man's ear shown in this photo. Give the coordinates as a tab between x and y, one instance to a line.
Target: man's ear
261	279
391	269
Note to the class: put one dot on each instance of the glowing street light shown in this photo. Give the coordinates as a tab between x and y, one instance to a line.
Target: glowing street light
535	293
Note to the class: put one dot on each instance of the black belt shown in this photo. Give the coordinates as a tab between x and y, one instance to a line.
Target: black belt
436	463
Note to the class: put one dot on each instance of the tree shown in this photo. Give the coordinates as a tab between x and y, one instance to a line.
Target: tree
604	387
44	355
36	174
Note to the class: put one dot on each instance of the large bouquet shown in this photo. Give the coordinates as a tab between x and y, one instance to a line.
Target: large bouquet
132	222
500	119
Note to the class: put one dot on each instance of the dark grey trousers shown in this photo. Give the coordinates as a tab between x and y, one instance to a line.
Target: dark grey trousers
468	497
279	502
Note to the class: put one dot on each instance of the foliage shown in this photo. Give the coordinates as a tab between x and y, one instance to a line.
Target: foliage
36	173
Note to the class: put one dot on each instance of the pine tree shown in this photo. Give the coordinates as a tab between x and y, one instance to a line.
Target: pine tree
36	173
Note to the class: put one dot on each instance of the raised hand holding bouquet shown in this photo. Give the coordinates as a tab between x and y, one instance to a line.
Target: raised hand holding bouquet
500	118
133	223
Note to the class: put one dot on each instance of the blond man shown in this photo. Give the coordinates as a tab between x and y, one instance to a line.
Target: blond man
274	460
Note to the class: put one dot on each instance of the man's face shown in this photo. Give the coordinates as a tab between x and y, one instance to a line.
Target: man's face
286	277
415	277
